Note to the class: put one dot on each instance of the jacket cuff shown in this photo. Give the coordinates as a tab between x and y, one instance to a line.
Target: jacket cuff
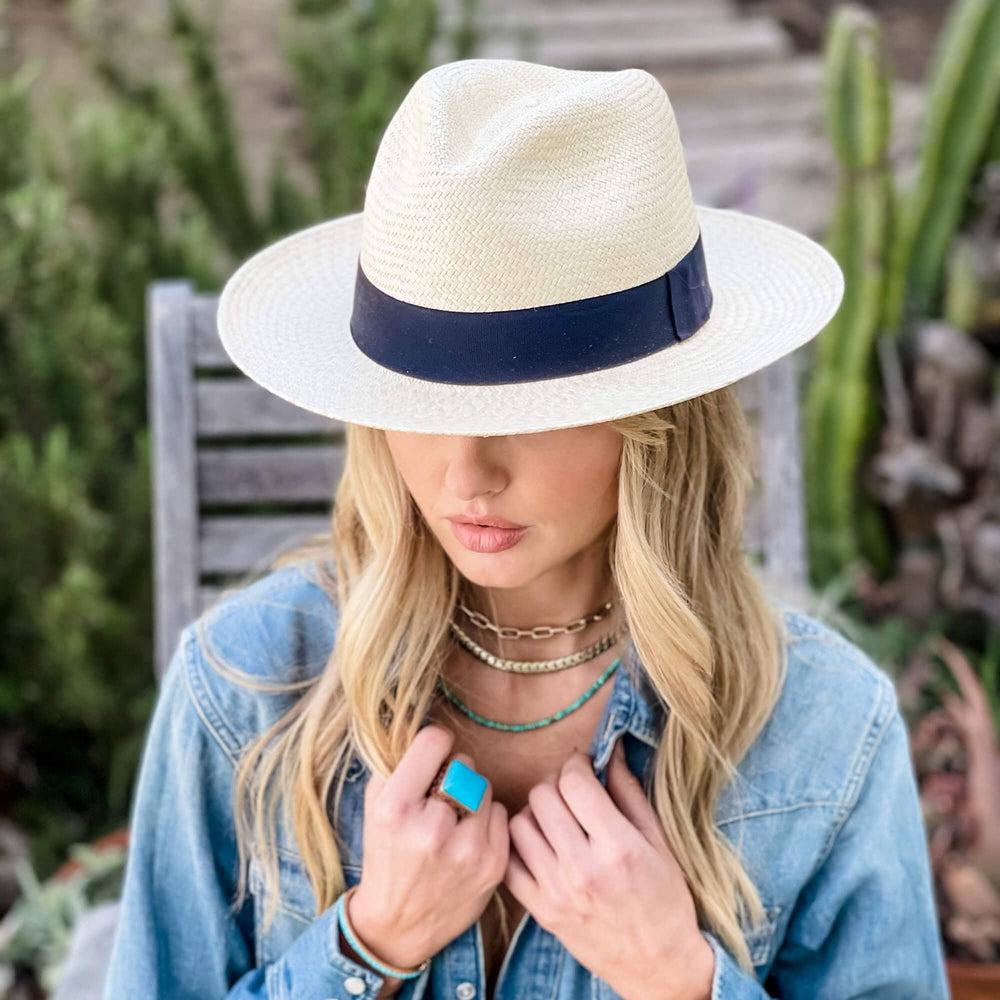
315	967
729	981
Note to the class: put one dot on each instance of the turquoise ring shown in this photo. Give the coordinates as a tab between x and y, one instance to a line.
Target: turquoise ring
460	786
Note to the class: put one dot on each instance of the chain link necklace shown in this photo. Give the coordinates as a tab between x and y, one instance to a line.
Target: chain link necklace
534	666
536	631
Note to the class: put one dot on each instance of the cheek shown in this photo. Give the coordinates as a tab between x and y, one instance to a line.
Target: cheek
415	469
582	491
415	476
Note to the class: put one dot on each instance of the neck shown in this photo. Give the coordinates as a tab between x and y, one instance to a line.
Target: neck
575	590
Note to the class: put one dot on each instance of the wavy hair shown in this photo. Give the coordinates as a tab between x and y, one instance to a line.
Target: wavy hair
708	636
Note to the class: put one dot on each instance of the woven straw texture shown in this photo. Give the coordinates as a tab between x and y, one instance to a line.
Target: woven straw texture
526	186
498	185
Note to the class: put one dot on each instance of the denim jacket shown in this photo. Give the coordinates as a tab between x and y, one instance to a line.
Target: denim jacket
826	819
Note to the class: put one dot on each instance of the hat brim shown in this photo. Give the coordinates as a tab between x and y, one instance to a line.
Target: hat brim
283	318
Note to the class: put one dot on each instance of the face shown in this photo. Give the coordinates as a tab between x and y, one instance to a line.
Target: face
560	486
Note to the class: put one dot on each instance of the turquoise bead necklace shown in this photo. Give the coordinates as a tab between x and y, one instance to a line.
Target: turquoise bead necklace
517	727
523	666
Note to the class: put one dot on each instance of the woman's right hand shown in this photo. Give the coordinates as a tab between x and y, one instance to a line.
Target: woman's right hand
427	873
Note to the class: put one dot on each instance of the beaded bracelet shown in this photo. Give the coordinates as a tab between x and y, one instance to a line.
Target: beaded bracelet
386	970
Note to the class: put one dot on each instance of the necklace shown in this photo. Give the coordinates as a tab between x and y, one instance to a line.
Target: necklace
517	727
536	666
536	631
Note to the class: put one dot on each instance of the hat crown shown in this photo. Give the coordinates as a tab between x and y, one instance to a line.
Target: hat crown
501	184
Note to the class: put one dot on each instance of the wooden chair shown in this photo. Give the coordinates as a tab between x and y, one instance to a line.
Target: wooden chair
239	474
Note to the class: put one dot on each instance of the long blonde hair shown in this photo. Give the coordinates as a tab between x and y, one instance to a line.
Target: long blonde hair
704	629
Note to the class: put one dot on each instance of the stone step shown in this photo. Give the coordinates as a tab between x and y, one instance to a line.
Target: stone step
804	116
486	7
773	151
751	41
746	83
748	106
802	203
566	20
793	182
770	152
746	120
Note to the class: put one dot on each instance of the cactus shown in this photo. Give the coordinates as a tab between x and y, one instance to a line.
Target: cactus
963	291
892	245
962	108
839	404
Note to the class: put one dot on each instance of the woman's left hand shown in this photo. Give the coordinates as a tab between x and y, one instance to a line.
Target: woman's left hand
593	868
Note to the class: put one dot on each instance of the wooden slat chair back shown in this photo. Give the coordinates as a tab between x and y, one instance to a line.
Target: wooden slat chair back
240	474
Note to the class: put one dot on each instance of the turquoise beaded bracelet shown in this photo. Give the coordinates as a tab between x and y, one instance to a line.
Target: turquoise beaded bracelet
386	970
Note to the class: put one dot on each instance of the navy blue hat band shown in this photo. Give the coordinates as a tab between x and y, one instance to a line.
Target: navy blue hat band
525	345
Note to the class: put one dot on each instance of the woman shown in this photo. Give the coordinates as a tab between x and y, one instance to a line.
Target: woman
526	725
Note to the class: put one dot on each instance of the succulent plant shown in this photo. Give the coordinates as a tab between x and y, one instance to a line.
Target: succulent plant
35	934
957	762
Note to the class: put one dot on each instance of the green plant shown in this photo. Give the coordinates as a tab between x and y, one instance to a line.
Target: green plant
36	932
892	246
72	476
146	181
839	404
962	112
957	762
373	52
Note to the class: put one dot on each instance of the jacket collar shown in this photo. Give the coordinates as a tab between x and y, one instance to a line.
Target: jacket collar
633	707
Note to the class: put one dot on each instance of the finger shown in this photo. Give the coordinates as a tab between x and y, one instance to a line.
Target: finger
589	802
497	835
521	882
411	780
531	844
555	820
628	795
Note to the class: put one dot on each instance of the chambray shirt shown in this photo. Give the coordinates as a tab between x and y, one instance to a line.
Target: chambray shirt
826	819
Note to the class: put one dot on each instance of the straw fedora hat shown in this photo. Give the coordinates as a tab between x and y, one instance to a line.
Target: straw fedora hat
529	257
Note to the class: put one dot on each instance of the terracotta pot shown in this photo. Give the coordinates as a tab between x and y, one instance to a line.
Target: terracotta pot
973	980
117	838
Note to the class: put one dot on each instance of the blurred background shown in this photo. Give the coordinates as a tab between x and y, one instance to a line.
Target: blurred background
163	141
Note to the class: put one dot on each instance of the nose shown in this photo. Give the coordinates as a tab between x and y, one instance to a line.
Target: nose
475	467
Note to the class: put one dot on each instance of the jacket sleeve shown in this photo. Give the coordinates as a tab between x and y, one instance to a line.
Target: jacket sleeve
865	924
176	937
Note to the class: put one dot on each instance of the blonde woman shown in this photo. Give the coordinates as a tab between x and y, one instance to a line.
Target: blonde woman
526	724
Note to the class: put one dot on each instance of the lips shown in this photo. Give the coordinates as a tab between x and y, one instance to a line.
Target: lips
487	521
486	538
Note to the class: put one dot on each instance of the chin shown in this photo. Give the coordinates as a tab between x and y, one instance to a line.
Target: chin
514	574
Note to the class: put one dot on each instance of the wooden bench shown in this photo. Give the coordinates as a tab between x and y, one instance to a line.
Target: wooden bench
239	474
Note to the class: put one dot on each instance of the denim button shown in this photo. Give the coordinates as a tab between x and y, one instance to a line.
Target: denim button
465	991
354	985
